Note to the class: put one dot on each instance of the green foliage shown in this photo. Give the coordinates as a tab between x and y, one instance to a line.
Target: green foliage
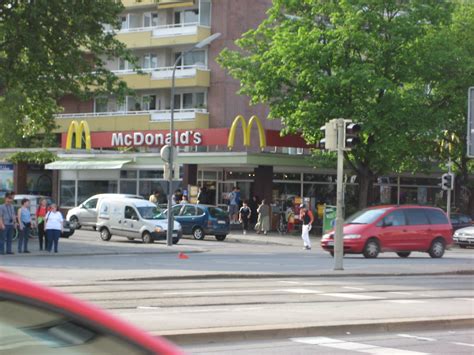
369	61
40	157
49	49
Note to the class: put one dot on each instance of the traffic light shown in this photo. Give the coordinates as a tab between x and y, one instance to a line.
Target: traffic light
329	142
447	181
351	134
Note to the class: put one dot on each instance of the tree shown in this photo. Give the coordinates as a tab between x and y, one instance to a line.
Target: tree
312	61
49	48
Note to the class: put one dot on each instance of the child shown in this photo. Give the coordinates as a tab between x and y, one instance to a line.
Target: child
244	216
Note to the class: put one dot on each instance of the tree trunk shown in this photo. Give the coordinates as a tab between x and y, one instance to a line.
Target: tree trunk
366	187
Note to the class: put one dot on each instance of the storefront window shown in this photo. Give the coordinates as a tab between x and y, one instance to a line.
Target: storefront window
128	187
151	174
239	175
283	191
66	193
418	181
146	188
287	176
88	188
128	174
210	175
320	192
319	177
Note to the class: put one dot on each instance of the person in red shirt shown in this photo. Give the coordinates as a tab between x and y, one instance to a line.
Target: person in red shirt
307	218
40	217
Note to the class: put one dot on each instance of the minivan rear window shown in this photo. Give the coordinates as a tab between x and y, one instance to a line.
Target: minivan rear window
217	213
436	217
366	216
416	216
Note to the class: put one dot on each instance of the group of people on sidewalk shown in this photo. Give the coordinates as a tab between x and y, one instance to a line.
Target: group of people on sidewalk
49	222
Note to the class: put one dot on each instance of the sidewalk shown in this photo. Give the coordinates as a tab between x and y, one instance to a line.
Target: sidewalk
272	238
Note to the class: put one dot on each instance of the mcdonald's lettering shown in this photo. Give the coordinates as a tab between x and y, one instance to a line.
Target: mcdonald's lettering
78	129
246	131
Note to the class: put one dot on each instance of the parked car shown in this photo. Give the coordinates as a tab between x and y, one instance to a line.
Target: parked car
68	230
201	220
459	220
399	229
86	213
464	237
134	219
39	320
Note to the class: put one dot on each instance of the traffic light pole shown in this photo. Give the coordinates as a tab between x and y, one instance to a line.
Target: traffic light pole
448	192
339	237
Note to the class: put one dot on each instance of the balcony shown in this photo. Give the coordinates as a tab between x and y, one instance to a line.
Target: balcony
139	3
136	120
162	4
160	78
163	36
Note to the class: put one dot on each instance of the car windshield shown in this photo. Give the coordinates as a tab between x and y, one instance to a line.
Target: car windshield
150	212
366	216
217	212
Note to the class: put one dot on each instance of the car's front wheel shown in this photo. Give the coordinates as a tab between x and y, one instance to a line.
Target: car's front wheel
198	233
437	249
105	234
404	254
175	240
74	222
147	238
371	249
221	238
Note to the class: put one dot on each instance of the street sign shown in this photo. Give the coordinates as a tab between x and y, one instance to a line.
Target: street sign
329	219
166	153
470	123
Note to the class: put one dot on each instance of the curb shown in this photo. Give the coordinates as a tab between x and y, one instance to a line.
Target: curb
157	252
233	334
337	274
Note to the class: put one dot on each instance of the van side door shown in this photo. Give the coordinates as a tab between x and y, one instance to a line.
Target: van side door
131	222
187	218
393	231
419	229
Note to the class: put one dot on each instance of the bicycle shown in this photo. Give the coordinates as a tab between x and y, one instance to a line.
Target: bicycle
282	227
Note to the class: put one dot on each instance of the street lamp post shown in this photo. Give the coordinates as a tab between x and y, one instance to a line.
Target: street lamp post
203	43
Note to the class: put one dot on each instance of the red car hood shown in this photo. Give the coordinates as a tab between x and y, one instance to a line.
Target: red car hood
351	229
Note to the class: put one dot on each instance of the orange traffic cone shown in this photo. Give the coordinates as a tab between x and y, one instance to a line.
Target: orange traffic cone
183	256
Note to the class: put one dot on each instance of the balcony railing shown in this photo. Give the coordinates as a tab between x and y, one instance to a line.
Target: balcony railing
155	115
185	28
160	73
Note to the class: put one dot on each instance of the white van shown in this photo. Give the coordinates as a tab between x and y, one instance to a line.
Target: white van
86	213
134	219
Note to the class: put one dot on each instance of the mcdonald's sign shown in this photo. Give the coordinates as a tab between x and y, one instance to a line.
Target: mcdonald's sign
78	129
246	131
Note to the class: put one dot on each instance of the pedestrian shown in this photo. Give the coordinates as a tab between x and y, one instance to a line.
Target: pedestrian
24	225
253	205
263	222
234	202
307	219
202	196
8	223
40	216
184	200
177	196
290	218
53	227
244	216
155	197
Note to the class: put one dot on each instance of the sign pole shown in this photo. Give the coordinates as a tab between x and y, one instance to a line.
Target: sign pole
448	192
339	237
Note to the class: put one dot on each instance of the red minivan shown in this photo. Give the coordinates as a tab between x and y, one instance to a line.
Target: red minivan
399	229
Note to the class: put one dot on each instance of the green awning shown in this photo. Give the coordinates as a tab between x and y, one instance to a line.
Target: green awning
86	164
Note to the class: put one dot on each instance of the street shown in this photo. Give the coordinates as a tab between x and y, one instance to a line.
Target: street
255	293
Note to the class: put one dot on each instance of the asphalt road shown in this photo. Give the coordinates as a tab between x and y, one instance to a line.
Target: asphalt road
448	341
256	288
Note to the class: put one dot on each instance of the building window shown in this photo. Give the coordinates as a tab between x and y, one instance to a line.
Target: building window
149	102
205	12
128	187
88	188
124	22
123	64
189	100
101	104
192	58
67	193
186	16
150	19
150	61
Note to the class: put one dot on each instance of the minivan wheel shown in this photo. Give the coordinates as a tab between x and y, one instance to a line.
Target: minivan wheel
221	238
147	239
105	234
74	222
437	249
198	233
371	249
175	240
404	254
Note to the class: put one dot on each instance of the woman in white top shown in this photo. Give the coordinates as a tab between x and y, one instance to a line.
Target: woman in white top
54	227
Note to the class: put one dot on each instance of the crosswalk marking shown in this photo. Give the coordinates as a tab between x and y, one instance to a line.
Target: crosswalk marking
405	301
401	293
300	290
352	296
463	344
353	346
354	288
465	299
415	337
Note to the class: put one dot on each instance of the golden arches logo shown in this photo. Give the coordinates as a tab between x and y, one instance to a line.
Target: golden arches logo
246	131
77	129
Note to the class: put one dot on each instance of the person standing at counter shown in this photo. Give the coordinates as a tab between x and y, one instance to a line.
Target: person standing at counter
40	217
54	228
24	225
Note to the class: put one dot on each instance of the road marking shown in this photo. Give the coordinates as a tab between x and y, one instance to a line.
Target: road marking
164	310
415	337
352	296
352	346
405	301
465	299
401	293
354	288
300	290
290	282
213	292
463	344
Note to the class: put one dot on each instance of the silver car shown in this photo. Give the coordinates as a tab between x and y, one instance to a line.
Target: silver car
86	213
464	237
